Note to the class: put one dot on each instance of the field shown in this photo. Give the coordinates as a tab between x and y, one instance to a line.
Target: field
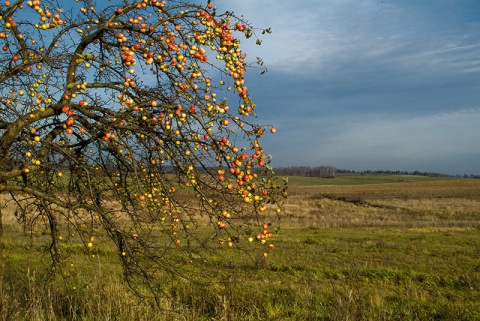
349	248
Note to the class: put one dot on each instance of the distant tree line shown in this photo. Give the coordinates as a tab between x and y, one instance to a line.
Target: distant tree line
469	176
389	172
332	172
320	171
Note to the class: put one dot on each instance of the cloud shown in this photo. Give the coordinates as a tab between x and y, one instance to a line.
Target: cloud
322	38
422	143
369	84
437	143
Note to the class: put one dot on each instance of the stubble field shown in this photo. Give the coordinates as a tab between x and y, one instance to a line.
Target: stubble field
349	248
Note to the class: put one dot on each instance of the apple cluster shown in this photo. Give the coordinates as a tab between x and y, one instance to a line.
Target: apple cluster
122	101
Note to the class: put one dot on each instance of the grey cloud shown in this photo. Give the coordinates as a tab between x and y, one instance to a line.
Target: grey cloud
365	85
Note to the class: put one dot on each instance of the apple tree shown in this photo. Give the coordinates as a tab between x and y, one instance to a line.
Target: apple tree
130	122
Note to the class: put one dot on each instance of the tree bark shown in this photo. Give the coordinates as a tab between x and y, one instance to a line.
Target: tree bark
2	265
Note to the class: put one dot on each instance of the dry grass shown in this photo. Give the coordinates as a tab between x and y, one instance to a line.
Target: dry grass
432	203
397	251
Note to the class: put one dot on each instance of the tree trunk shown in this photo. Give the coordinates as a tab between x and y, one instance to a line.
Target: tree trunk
2	265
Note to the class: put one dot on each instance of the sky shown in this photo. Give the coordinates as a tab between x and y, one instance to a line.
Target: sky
368	84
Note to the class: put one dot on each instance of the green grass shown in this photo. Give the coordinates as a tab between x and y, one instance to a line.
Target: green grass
361	179
390	257
373	273
312	274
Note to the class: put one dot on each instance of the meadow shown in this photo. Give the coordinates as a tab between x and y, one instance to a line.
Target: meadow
349	248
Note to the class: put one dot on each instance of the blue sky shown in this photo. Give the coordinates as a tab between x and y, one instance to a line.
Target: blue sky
368	84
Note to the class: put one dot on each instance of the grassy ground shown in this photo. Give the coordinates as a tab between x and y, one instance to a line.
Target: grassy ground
361	179
391	248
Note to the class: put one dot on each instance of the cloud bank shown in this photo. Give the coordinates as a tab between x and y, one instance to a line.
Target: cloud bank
369	84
